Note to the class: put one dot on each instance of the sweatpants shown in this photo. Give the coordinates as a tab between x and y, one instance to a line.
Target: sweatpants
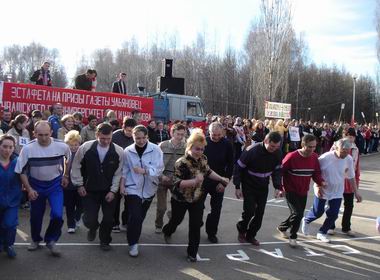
212	220
318	209
254	203
137	208
74	208
91	206
195	220
296	204
347	213
52	192
162	197
8	225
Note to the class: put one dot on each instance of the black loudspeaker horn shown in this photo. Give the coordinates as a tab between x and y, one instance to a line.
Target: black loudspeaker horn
167	68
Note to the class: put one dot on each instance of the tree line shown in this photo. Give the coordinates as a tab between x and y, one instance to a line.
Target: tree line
273	65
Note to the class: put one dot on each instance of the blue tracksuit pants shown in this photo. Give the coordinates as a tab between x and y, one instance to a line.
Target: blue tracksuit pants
52	192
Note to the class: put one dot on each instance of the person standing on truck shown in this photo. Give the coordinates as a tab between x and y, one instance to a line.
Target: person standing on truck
42	75
119	86
84	81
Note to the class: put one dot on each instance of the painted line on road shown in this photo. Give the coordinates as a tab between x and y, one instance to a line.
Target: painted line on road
283	206
212	245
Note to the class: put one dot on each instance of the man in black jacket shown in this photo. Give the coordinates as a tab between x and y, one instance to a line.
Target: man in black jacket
96	171
253	170
84	81
220	158
120	86
42	76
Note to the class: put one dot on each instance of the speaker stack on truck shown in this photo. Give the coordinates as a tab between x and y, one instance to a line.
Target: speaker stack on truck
168	83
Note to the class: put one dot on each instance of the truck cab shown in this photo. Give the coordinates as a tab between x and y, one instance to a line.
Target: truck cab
168	106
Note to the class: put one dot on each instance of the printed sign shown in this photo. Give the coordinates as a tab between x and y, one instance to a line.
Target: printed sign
277	110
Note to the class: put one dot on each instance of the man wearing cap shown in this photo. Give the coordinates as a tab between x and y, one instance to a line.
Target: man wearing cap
335	166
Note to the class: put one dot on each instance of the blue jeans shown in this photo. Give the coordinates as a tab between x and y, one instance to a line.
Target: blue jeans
319	208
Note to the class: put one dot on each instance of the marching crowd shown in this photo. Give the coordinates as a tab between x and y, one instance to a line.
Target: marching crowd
57	159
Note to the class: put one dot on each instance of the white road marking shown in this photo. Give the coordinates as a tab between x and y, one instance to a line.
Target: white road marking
22	234
210	245
263	276
283	206
196	274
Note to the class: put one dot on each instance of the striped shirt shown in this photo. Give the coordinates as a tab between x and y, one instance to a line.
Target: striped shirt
297	172
43	163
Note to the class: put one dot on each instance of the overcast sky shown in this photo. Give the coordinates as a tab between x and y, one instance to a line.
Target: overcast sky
336	31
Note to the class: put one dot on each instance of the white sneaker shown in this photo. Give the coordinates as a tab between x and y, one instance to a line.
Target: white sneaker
305	227
293	243
323	237
331	232
71	230
284	234
134	250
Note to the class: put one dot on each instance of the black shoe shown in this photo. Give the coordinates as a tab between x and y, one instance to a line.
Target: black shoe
105	247
191	258
213	239
167	238
91	235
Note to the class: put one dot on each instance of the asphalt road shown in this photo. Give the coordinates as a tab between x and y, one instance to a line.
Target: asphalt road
344	258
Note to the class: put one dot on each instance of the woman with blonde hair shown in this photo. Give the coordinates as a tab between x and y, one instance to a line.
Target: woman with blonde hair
67	122
72	200
190	171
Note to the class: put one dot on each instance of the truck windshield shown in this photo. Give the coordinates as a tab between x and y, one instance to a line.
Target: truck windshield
194	109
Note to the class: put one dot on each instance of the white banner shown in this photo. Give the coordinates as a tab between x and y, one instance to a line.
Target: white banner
277	110
294	133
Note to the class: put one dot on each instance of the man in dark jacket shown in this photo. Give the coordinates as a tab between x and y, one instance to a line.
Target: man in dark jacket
84	81
42	76
96	171
253	170
220	158
120	86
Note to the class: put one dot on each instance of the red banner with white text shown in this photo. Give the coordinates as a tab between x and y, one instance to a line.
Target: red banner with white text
26	98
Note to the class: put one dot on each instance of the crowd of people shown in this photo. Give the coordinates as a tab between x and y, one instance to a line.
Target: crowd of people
83	168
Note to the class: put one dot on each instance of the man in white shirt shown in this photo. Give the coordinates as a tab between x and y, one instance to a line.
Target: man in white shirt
335	166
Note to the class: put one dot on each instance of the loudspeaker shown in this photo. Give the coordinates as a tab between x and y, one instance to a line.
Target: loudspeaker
167	68
171	85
